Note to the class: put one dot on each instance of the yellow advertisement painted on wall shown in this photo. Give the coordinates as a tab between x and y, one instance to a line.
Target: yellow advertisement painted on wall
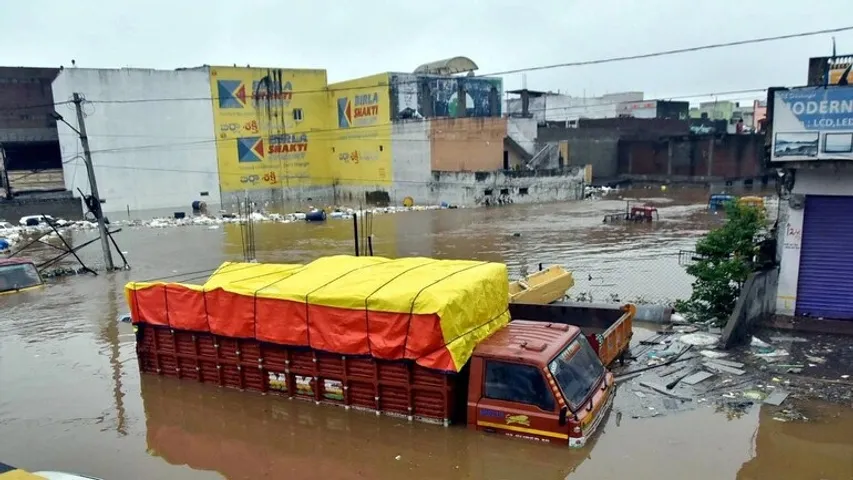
263	120
361	143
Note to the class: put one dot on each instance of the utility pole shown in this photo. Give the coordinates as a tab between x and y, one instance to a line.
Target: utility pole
5	188
93	185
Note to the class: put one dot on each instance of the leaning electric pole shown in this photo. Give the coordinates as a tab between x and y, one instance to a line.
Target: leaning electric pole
93	185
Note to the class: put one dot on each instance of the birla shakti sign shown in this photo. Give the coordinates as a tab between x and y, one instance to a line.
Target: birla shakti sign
812	123
358	111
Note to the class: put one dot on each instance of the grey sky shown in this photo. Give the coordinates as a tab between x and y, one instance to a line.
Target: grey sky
362	37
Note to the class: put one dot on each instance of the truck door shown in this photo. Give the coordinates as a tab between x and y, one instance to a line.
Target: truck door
517	401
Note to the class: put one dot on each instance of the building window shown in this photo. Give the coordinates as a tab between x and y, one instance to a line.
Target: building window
297	114
488	191
512	382
504	191
522	191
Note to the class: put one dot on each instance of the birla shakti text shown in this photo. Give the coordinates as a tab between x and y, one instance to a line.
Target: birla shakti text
288	143
366	105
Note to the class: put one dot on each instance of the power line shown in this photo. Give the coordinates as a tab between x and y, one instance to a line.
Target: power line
282	176
31	107
499	73
663	53
314	132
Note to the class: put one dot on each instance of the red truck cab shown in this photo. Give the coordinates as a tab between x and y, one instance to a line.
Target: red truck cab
538	381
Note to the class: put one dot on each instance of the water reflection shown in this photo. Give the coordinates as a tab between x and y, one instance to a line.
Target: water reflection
248	436
819	449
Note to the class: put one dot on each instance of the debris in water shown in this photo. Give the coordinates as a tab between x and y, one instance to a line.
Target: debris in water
640	394
713	354
685	329
664	391
754	395
818	360
723	368
758	343
787	339
771	354
697	377
729	363
776	398
845	377
398	457
699	339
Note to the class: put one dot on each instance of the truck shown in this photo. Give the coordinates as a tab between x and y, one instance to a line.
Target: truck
535	372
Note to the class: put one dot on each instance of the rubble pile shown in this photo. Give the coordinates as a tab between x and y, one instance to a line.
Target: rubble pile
682	368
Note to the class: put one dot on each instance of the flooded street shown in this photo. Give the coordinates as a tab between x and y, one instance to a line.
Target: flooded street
71	396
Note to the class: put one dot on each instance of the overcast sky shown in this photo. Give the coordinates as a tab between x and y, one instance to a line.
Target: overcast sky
362	37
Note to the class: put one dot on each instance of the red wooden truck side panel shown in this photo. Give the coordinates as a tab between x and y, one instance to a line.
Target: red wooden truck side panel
394	388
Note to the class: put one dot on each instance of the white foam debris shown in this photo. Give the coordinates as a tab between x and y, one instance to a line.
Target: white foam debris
15	234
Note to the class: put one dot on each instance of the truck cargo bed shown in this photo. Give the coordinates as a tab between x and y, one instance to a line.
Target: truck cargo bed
398	388
608	327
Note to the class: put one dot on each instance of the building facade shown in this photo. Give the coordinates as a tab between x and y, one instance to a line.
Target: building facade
551	107
151	133
164	139
811	146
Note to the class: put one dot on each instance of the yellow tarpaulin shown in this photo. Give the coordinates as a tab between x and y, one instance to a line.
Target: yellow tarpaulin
432	311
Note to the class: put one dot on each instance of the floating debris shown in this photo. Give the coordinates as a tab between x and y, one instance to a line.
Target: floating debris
697	378
776	398
699	339
713	354
723	368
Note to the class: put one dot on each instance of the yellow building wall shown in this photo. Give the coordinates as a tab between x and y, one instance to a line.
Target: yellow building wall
360	137
262	140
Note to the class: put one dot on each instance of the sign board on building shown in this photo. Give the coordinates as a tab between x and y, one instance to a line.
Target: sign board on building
641	109
812	123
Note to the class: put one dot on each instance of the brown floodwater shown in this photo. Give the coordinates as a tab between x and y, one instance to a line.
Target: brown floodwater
71	396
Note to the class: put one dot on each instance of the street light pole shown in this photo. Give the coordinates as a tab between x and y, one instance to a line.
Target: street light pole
93	185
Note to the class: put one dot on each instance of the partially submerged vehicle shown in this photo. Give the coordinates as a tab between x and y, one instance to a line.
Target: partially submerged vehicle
753	201
718	201
423	339
634	213
545	286
18	274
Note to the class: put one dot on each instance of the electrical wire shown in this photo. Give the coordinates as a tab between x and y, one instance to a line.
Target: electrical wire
663	53
493	74
317	134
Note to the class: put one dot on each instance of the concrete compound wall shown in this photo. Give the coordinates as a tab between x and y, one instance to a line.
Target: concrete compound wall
693	158
148	153
823	180
494	188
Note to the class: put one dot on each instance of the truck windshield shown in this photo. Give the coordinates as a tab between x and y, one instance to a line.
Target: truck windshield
577	371
18	276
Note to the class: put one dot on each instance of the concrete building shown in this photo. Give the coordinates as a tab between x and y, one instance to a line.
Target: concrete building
811	146
163	139
149	153
732	113
31	180
547	107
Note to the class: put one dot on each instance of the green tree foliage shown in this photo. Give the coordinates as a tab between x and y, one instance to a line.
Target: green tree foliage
726	257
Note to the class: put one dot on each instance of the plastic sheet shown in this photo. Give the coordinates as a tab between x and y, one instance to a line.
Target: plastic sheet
431	311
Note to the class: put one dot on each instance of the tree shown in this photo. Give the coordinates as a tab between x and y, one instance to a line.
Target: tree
726	257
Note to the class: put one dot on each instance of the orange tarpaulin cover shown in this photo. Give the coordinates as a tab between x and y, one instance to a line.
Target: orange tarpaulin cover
431	311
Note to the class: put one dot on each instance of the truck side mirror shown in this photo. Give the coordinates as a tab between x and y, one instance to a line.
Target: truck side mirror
564	412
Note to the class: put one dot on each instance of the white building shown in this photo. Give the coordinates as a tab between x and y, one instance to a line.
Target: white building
812	145
149	153
555	107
